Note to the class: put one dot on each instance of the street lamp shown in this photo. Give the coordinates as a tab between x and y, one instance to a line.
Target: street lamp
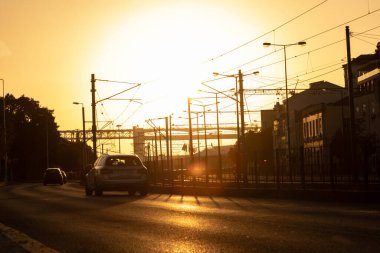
84	134
241	138
284	46
118	126
205	136
218	132
5	138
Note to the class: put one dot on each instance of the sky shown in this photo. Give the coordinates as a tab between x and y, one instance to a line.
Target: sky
50	48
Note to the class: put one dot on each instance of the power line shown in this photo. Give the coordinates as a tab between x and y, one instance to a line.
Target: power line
278	27
329	72
309	38
343	24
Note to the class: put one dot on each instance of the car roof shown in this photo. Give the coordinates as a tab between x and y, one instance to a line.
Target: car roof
118	155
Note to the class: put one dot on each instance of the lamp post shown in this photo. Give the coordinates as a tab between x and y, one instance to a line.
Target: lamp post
240	136
191	148
205	136
284	46
5	137
83	134
218	133
118	127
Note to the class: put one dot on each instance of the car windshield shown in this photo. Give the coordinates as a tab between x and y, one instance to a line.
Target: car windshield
123	161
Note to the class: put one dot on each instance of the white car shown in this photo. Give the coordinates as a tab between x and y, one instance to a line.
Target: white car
117	173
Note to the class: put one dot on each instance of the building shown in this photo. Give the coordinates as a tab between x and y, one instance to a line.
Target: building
319	127
367	118
361	65
323	128
319	93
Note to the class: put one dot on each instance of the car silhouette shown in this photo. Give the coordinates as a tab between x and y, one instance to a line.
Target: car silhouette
53	176
117	173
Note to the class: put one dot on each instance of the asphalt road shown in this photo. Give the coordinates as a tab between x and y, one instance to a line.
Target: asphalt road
64	219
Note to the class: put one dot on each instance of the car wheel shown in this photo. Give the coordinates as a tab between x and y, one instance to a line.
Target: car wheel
144	192
88	191
98	192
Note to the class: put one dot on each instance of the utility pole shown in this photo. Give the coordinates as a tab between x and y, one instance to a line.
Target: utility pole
351	109
5	155
84	138
93	105
156	156
238	156
171	148
190	132
167	146
205	133
218	133
242	128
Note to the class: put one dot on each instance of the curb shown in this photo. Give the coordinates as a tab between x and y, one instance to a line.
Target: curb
15	241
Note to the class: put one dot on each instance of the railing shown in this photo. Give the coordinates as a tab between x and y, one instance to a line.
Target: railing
307	171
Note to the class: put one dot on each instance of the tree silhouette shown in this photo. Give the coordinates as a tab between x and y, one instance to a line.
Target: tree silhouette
33	141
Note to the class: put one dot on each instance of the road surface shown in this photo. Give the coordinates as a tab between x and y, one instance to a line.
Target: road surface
64	219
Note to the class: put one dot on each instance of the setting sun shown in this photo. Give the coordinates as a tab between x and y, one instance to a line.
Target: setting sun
166	49
48	51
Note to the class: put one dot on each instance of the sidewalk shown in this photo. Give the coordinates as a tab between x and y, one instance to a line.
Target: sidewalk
13	241
338	195
9	246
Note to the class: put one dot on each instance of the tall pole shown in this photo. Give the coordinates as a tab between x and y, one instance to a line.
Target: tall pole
47	140
190	132
171	147
5	138
241	93
93	105
161	162
156	156
84	138
218	133
300	43
205	131
351	108
238	133
287	111
84	153
167	144
242	128
199	148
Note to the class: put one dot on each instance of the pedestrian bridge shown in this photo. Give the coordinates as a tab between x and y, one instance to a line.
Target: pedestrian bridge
151	134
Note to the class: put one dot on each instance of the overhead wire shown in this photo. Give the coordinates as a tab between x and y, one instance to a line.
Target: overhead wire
306	39
276	28
342	24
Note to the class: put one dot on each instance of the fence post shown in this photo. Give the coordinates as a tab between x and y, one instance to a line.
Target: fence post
302	167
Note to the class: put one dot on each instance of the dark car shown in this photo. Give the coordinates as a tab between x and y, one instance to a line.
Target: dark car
53	176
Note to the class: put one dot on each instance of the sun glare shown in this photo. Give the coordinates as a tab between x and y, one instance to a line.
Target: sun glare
164	47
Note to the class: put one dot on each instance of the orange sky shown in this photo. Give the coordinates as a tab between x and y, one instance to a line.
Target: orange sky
50	48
